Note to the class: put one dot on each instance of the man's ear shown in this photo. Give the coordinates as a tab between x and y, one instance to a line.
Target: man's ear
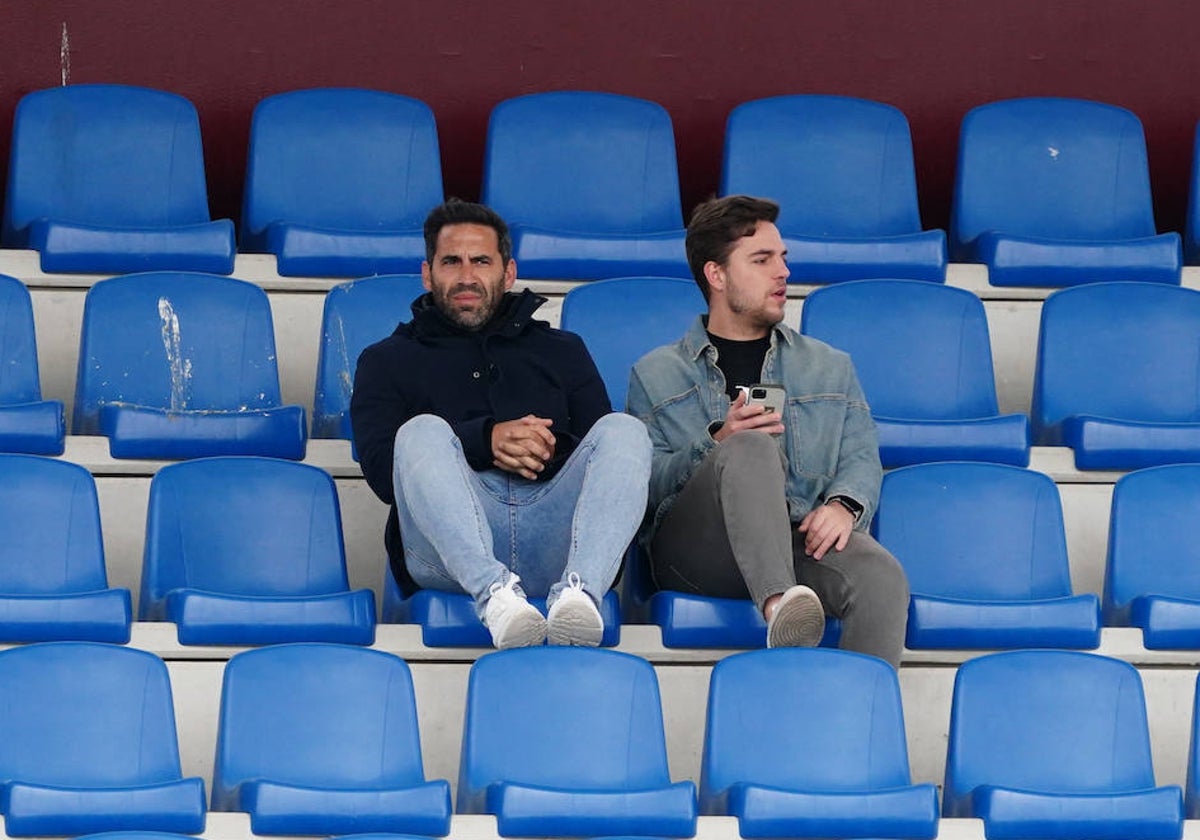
426	276
715	275
510	274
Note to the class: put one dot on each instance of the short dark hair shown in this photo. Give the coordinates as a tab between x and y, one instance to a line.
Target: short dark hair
455	211
717	225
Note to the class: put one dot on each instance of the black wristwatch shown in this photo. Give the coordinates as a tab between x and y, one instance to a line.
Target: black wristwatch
849	504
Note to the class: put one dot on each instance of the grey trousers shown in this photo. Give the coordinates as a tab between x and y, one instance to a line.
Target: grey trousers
728	535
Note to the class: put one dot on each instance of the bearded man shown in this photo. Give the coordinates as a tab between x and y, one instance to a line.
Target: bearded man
491	436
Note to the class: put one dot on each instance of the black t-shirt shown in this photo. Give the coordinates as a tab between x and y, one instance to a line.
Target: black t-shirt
740	361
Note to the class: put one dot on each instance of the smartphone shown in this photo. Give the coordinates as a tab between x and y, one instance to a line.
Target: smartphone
770	396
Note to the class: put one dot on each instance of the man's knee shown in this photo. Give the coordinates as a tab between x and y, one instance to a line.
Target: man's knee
751	450
421	433
621	433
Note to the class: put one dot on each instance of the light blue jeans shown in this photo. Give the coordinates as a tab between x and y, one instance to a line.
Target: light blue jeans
465	530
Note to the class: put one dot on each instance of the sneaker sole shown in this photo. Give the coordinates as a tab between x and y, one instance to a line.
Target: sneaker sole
799	621
575	624
525	630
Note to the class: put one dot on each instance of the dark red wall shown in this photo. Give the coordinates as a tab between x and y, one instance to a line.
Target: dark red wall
934	59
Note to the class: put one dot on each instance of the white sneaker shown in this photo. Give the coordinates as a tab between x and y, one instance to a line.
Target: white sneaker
798	620
573	618
513	621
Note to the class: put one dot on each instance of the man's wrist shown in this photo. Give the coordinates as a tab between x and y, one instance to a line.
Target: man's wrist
849	505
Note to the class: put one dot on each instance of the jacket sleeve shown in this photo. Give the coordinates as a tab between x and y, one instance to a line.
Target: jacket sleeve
669	468
377	410
859	472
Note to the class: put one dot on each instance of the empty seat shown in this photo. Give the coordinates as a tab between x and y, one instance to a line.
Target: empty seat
356	315
339	181
1055	744
621	320
924	358
27	422
180	365
323	739
1152	577
249	551
985	552
589	757
110	179
842	171
53	584
783	776
588	183
88	743
1117	376
1056	192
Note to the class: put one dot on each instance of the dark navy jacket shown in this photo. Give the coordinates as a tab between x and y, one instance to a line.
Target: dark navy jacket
511	367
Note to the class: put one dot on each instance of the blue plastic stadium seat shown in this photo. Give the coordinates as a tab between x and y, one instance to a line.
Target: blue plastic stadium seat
356	314
581	764
89	743
27	422
249	551
323	739
109	179
1055	745
178	365
589	185
1056	192
696	621
622	319
924	358
448	619
1152	577
1117	376
339	181
842	170
783	776
53	584
985	552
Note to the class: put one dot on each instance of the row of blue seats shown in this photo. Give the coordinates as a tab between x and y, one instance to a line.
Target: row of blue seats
110	179
323	739
249	551
176	365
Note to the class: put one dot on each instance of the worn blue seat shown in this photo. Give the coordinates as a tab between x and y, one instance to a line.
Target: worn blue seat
985	552
249	551
622	319
180	365
339	181
356	315
588	183
923	355
323	739
108	179
89	743
27	422
1152	577
1056	192
53	583
846	777
1117	376
584	765
1055	744
842	170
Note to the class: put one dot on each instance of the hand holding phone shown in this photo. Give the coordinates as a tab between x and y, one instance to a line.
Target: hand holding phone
757	408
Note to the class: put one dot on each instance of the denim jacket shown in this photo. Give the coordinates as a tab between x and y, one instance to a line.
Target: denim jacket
830	442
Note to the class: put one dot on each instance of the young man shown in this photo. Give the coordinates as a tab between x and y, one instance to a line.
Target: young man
750	502
491	436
